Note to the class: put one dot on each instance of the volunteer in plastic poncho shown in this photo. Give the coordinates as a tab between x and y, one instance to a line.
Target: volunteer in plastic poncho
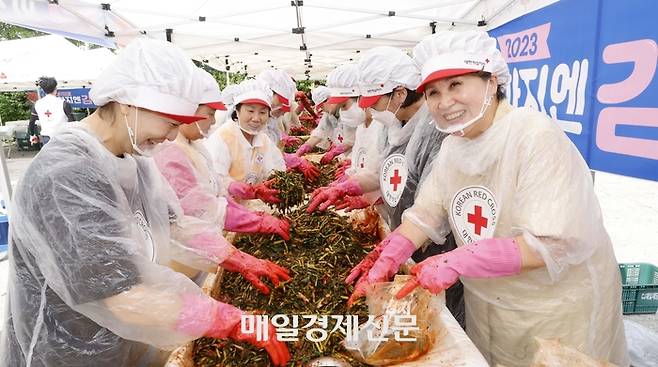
534	256
186	166
343	84
387	77
243	155
90	232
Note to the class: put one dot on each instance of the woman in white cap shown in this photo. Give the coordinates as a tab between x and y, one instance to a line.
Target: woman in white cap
187	166
283	94
534	256
243	154
90	231
343	84
387	77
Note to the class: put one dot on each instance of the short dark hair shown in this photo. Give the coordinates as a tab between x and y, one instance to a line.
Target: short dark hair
412	97
48	84
485	75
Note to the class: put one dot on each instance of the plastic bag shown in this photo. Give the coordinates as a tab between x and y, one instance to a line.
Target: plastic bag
642	345
379	342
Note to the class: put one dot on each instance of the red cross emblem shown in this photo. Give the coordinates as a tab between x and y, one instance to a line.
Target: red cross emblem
340	139
478	220
48	113
396	179
361	165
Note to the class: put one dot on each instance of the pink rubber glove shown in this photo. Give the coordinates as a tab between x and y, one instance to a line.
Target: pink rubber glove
350	203
293	162
203	316
252	268
305	148
290	141
324	197
240	219
380	264
344	166
489	258
260	191
333	153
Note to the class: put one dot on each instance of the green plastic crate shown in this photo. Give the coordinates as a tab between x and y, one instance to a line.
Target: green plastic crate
639	288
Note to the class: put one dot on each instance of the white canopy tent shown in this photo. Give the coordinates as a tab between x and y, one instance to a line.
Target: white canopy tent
23	61
304	37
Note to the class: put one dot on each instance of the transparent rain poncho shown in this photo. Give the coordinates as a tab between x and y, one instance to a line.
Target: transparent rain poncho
90	238
544	193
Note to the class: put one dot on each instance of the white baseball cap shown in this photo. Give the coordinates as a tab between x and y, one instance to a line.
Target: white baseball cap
320	94
253	92
280	83
152	74
452	53
211	96
383	69
343	83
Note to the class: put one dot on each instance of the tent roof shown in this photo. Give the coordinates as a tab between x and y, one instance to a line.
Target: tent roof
23	61
303	37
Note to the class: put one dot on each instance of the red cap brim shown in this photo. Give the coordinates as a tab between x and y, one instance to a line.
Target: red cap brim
337	100
255	101
285	108
183	119
283	100
365	102
440	74
216	105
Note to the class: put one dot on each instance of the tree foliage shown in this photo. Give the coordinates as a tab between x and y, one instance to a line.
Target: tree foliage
12	32
14	106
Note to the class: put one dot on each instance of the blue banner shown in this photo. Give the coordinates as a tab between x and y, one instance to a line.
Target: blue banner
591	66
77	97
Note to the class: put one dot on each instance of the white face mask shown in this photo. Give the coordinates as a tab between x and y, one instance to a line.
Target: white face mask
146	151
386	117
353	117
252	131
205	135
458	129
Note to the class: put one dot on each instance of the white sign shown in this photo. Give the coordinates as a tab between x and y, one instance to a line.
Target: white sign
393	178
474	213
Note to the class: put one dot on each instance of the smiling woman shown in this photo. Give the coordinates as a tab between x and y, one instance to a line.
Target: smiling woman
90	244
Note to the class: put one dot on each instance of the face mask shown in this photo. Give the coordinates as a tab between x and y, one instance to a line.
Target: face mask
205	135
147	151
386	117
250	130
353	117
459	128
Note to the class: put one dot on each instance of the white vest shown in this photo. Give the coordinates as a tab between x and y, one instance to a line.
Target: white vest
50	110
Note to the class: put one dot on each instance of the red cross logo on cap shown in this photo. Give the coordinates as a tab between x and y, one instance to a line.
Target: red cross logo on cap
478	220
48	113
395	180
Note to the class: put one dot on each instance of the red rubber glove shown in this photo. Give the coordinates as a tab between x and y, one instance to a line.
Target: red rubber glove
290	141
201	315
333	153
252	268
242	220
302	165
260	191
380	264
324	197
488	258
344	166
350	203
305	148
